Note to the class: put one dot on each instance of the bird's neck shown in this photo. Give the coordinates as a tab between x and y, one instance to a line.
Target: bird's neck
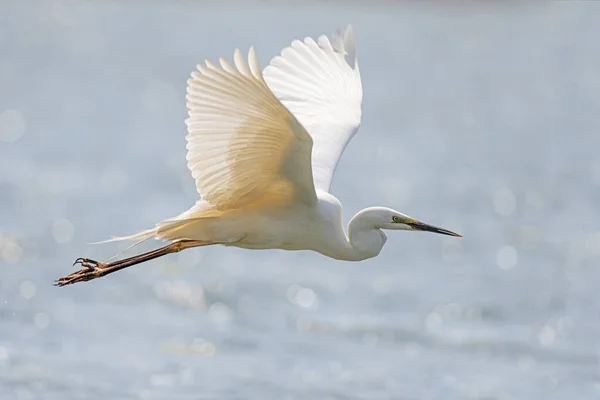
364	240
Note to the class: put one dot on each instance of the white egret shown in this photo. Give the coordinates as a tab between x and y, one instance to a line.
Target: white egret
263	147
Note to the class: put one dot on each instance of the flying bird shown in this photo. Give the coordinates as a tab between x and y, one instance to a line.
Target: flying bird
262	147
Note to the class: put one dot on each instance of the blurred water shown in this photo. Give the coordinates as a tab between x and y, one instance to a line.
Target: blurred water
479	118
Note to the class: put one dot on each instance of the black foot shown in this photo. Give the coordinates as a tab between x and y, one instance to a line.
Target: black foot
91	269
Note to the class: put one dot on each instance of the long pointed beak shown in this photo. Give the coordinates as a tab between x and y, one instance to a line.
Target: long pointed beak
420	226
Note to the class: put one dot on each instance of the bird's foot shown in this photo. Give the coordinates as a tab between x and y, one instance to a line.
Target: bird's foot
91	269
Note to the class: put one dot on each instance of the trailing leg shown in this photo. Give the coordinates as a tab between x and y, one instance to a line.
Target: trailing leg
93	269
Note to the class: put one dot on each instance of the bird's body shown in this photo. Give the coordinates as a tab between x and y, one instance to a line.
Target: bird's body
270	229
317	227
263	147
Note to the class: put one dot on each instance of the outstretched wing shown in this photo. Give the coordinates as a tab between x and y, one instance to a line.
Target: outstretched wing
319	82
245	149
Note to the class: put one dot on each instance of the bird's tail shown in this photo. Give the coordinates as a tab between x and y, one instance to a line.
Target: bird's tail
141	237
165	230
180	227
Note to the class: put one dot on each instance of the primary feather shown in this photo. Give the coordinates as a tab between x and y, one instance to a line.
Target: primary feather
319	82
244	147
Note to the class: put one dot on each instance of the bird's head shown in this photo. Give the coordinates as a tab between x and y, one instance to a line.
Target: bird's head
386	218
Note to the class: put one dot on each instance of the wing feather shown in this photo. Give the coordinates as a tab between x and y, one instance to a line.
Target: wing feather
244	147
319	82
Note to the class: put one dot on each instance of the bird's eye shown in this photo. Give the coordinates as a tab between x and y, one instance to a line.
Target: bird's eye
396	219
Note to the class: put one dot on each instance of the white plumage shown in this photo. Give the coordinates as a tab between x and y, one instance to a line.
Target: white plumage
263	147
319	82
244	147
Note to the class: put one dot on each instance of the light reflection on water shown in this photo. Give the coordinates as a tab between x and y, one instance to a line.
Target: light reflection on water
479	120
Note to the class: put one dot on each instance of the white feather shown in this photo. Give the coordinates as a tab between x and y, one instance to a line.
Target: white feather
244	147
319	82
